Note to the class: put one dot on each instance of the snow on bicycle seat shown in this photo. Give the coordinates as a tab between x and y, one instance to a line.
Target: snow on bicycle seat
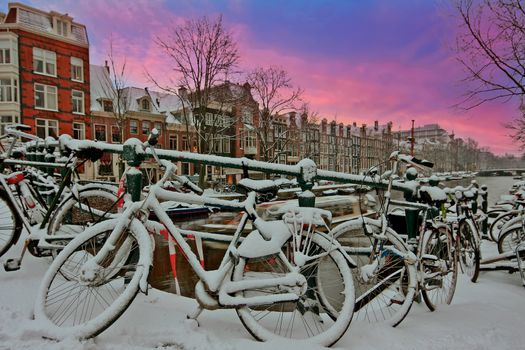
258	185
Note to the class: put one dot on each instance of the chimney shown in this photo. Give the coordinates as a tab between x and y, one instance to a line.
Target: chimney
376	125
323	125
349	131
354	125
341	129
106	66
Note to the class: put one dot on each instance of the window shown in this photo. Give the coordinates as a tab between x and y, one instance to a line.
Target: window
62	27
46	127
100	132
247	116
115	134
185	144
173	142
185	168
249	139
146	127
79	131
226	145
8	90
46	97
158	126
107	105
77	100
6	120
77	69
144	104
133	127
44	62
5	51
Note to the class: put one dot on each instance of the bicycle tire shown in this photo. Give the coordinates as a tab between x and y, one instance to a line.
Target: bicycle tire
386	293
121	283
328	308
469	250
10	223
71	218
510	239
440	288
498	223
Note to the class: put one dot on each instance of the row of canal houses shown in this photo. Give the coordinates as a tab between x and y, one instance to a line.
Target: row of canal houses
47	82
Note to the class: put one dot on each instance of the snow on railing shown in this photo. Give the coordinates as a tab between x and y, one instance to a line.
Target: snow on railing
306	170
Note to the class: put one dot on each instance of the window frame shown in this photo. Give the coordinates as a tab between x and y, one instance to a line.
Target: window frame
47	57
119	140
136	122
95	125
144	123
82	130
81	99
12	89
15	119
46	92
47	127
76	65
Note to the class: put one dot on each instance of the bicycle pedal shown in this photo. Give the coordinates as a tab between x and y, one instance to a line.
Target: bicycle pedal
12	265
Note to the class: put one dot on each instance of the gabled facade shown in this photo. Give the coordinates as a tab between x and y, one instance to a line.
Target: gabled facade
44	71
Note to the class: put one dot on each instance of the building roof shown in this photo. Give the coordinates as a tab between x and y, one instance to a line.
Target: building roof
102	89
37	20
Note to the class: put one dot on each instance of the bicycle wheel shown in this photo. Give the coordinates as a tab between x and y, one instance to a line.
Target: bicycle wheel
79	301
385	281
325	306
10	223
469	251
440	267
77	211
497	224
510	239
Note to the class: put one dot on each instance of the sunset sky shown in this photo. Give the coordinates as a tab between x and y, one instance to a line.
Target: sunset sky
388	60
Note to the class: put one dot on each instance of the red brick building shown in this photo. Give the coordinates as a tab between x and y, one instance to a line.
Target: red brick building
44	72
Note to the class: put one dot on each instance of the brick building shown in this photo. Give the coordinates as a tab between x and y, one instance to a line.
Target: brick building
44	71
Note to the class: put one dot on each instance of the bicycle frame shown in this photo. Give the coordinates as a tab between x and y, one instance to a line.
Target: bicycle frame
214	280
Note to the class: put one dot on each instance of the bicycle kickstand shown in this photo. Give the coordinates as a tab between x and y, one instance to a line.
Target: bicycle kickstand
14	263
195	314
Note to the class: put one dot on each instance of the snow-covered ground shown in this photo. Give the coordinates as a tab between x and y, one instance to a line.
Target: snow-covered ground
486	315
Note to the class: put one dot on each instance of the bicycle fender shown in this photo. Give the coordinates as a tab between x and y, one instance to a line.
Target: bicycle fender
145	260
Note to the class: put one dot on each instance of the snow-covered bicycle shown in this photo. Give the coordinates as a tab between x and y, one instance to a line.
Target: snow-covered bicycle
285	279
389	275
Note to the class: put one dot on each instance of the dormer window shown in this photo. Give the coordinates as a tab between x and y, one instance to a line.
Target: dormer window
62	26
145	105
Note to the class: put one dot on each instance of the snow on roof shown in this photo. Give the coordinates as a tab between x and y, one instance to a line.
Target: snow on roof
101	89
100	86
42	21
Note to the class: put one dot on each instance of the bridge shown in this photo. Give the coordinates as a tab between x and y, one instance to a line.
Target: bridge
502	172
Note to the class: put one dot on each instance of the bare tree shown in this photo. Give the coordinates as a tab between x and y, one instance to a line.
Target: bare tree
203	54
115	100
273	89
491	48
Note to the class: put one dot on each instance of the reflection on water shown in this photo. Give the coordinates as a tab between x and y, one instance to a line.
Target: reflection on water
161	276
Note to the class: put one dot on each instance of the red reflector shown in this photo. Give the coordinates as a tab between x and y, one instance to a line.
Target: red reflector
15	178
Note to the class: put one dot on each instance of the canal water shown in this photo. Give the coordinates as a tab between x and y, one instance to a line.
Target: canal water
161	276
498	185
